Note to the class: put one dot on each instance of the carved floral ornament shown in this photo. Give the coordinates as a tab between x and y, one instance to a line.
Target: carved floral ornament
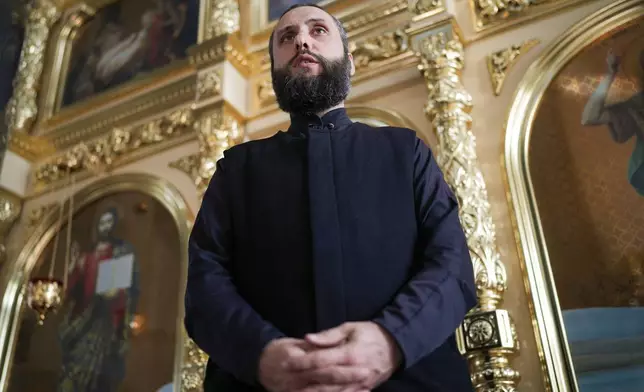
104	152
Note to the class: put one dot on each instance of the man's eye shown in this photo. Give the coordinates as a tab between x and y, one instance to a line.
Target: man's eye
319	30
286	37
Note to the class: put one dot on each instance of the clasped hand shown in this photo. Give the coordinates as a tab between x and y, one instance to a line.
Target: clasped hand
354	357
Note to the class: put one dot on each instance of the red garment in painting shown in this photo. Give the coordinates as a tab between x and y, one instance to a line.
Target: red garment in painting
88	275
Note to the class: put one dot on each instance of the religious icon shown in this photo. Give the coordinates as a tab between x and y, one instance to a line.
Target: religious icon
102	294
127	39
624	119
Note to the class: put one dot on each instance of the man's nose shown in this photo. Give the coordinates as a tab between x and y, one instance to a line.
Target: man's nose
301	42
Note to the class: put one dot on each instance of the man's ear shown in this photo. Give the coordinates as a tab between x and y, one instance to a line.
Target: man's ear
353	65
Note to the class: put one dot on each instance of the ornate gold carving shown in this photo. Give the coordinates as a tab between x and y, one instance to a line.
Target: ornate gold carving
223	18
78	127
29	147
378	48
22	108
423	6
265	92
103	153
494	15
448	107
487	9
194	366
10	207
499	63
208	84
216	132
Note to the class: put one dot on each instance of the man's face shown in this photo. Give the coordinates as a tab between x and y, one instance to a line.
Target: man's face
105	224
311	71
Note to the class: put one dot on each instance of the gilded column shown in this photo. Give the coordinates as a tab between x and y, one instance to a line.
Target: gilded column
217	131
487	337
22	108
218	128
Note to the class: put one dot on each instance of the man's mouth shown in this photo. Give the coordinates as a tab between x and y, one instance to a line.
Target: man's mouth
304	59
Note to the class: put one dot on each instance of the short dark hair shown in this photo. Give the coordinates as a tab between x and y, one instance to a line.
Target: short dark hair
343	32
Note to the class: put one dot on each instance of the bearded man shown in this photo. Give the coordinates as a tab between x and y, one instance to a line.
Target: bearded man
329	257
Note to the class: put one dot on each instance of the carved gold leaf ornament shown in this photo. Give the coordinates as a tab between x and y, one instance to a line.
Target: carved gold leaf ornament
487	336
194	366
101	154
375	49
488	9
223	18
208	84
423	6
216	132
499	63
22	107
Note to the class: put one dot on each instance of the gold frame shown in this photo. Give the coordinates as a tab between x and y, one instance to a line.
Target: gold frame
16	274
546	312
51	114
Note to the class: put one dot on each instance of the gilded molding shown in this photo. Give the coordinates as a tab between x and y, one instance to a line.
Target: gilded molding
499	63
495	15
114	148
32	148
371	51
23	108
423	6
10	208
218	49
217	131
75	128
222	18
362	20
546	312
448	108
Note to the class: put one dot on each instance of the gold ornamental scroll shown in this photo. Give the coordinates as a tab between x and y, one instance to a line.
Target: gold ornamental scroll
487	336
23	108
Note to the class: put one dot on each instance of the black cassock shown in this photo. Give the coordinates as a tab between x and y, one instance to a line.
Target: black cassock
332	221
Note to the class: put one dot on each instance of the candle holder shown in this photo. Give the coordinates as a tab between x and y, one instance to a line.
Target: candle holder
44	296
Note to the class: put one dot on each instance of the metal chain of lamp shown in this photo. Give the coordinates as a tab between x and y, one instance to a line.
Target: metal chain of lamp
45	295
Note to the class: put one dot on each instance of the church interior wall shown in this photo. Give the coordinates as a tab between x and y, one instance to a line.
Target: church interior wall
402	90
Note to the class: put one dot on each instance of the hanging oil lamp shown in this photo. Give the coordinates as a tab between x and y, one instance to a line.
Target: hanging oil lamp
46	294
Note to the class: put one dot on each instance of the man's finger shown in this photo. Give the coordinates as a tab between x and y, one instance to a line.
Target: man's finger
337	375
329	338
323	358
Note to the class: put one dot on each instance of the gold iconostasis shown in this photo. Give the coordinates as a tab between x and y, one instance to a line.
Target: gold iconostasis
138	99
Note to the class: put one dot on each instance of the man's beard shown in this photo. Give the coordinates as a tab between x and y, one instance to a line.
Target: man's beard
300	93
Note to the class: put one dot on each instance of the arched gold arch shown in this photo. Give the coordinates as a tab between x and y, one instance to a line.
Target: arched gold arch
379	117
547	318
19	272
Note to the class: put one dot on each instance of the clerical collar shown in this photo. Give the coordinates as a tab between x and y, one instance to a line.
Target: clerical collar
335	119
